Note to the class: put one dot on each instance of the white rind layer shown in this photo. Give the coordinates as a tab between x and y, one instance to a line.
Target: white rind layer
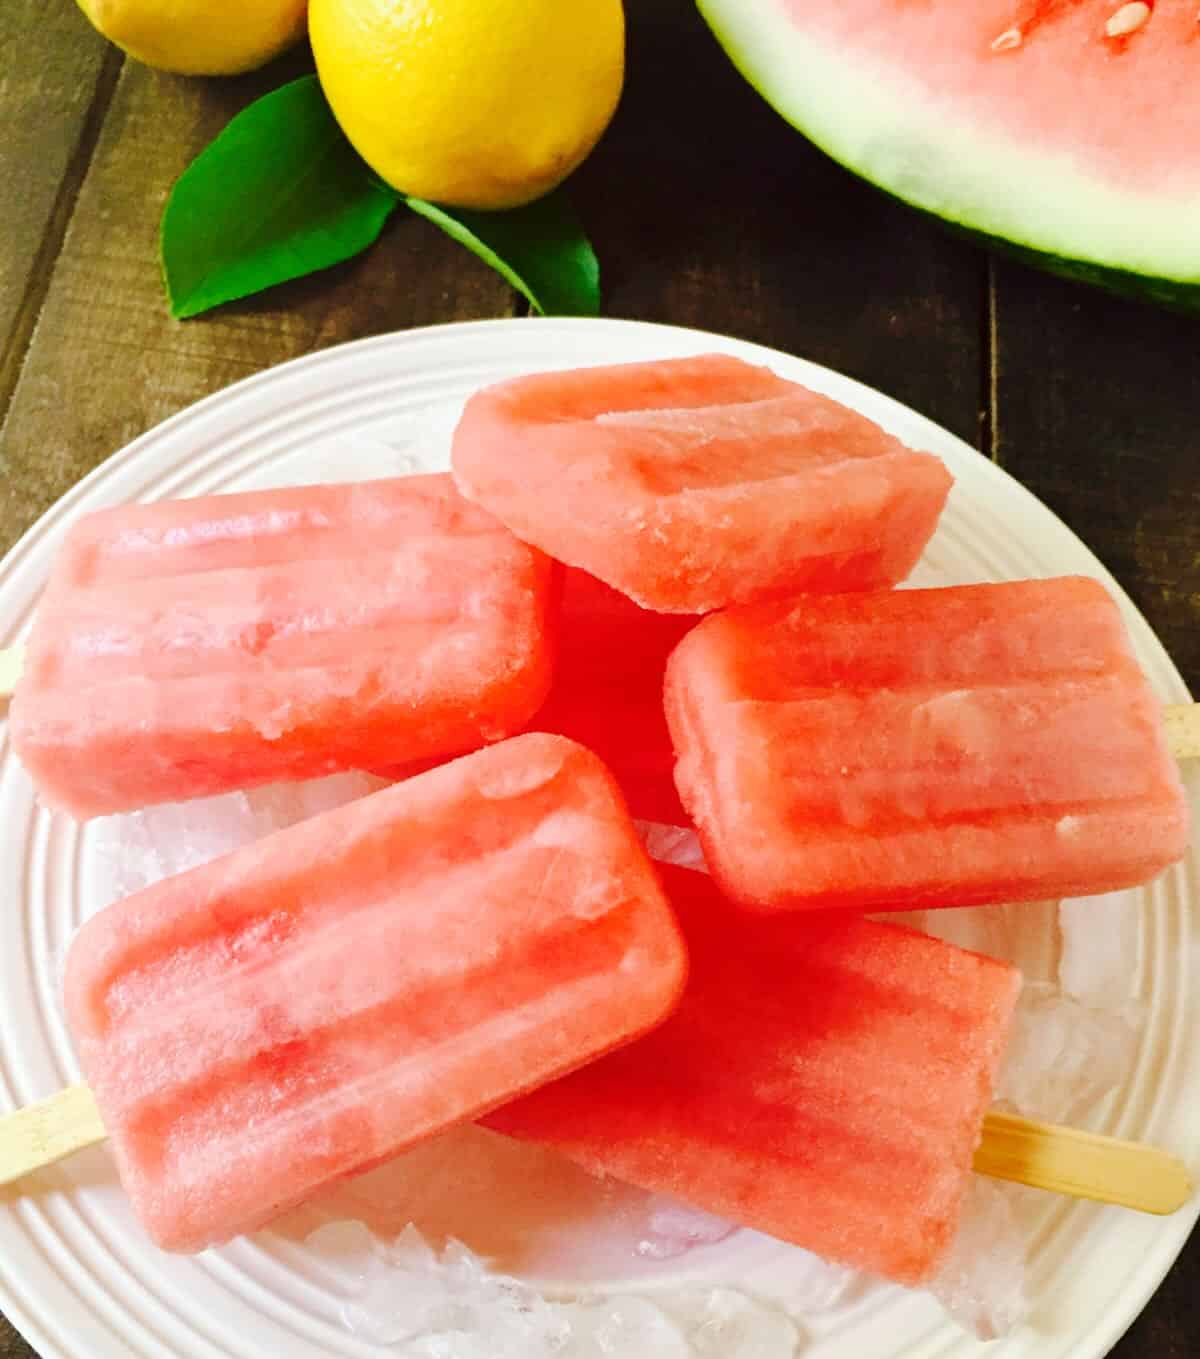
933	155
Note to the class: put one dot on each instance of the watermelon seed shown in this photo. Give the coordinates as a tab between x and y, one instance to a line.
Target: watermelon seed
1128	19
1010	38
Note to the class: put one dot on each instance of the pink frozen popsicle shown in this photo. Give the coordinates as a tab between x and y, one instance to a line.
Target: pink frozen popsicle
608	690
690	484
192	647
607	693
923	748
824	1080
324	998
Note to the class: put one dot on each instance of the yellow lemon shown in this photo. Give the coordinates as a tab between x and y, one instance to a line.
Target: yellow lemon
199	37
472	103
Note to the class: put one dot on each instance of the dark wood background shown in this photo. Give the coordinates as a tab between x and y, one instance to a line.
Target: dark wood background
706	211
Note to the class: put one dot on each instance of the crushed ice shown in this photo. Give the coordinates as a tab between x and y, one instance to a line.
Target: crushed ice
981	1282
1063	1056
1101	939
141	848
672	844
427	1304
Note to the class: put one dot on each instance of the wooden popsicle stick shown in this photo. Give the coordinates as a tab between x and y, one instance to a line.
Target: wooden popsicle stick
11	663
43	1133
1082	1165
1063	1160
1182	721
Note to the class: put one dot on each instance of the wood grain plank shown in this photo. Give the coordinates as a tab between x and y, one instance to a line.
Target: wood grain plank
1169	1328
57	76
708	210
1096	409
1098	401
106	361
13	1346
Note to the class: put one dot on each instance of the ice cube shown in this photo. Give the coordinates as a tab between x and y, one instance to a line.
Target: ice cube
1063	1056
982	1281
403	1289
1024	933
1100	941
673	1229
621	1326
722	1323
283	804
347	1255
141	848
450	1305
672	844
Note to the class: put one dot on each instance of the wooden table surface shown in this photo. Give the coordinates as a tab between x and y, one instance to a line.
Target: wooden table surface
706	211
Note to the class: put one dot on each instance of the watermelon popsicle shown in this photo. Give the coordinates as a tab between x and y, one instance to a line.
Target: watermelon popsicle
610	660
607	692
319	1000
923	748
193	647
825	1082
333	992
690	484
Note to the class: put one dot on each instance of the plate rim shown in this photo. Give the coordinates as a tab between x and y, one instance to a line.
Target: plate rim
1109	1326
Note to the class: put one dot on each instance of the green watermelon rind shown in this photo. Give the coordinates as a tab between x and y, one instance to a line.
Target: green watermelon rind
741	24
1168	292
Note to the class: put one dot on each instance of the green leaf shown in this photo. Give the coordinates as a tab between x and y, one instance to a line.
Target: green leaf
280	193
540	249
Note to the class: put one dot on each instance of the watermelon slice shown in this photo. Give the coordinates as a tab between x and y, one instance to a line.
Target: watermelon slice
1051	127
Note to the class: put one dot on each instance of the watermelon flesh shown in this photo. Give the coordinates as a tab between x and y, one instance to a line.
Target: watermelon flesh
825	1082
325	997
923	748
1027	121
689	484
194	647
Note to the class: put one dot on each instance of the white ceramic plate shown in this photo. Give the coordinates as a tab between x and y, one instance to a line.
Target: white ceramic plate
76	1275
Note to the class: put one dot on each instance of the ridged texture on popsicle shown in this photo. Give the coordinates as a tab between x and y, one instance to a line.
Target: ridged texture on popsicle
321	999
823	1080
191	647
610	659
924	748
690	484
